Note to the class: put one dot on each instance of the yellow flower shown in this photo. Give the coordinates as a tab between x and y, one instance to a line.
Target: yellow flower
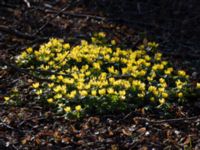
80	85
111	69
142	72
198	86
110	90
141	86
50	85
113	42
53	77
58	96
147	58
147	64
102	91
66	46
36	85
164	63
96	66
127	84
60	105
84	43
180	95
88	73
162	101
50	100
161	89
161	66
23	55
155	67
60	78
167	72
72	94
141	95
135	83
75	75
181	73
152	99
6	98
155	93
164	95
149	78
158	56
57	88
122	93
111	80
37	53
87	86
94	92
162	80
93	39
63	89
29	50
78	108
67	109
83	93
151	88
51	63
179	84
39	92
68	81
102	34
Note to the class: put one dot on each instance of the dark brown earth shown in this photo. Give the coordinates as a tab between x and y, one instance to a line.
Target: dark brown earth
173	24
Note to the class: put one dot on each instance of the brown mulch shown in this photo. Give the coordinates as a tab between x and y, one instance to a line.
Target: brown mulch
173	24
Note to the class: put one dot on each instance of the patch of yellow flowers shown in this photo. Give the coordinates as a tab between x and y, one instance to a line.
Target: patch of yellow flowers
92	71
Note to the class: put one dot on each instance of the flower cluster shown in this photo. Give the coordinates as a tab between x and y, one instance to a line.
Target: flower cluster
100	77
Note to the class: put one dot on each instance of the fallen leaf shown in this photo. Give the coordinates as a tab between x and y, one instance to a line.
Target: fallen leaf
141	130
126	132
114	147
187	140
66	140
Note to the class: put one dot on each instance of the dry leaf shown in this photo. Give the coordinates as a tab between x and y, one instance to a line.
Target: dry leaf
126	132
66	140
187	140
114	147
141	130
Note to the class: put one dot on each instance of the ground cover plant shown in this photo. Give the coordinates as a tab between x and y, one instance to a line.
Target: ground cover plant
97	76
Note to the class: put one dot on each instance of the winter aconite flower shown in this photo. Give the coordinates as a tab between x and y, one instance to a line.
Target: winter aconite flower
67	109
180	95
78	108
50	100
6	98
198	86
36	85
181	73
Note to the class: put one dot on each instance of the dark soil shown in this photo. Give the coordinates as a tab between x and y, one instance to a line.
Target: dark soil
173	24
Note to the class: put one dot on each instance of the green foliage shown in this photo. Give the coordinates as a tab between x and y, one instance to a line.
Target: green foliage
101	77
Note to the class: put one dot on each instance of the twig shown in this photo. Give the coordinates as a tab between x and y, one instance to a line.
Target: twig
10	30
56	15
6	125
29	119
2	123
167	120
125	117
27	3
106	19
179	55
22	70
